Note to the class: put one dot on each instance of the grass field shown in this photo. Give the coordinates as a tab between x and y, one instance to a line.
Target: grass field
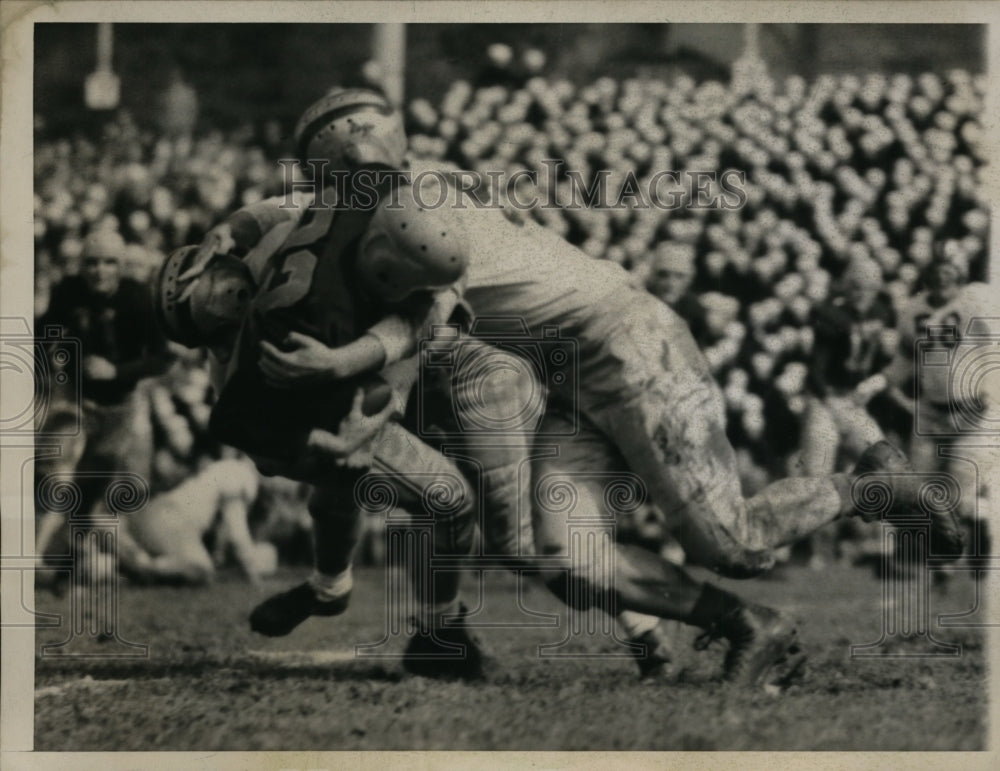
209	683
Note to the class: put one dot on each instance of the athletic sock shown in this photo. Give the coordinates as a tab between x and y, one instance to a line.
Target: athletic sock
637	624
329	588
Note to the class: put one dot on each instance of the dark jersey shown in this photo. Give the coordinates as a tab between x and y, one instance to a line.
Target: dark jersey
689	308
307	286
847	346
120	328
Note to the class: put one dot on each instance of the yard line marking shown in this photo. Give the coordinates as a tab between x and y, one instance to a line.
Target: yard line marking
303	658
86	682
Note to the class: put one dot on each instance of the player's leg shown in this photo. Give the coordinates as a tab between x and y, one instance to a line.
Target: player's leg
657	401
191	566
497	400
585	472
51	472
572	512
430	486
418	476
672	434
336	528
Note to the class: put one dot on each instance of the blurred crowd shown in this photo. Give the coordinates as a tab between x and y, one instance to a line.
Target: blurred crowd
885	167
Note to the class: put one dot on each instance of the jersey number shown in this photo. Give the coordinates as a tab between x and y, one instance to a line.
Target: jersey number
292	283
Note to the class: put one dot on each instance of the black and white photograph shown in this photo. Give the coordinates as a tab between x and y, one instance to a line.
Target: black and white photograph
497	377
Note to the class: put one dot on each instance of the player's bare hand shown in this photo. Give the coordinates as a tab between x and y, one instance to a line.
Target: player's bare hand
306	362
351	446
99	368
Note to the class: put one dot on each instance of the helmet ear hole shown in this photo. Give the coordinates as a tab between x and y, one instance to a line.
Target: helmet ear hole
179	305
172	312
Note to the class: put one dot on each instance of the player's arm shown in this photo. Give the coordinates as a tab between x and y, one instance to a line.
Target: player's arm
879	381
248	225
306	360
408	250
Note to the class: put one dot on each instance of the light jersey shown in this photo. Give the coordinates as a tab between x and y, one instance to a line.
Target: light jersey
526	270
974	301
531	272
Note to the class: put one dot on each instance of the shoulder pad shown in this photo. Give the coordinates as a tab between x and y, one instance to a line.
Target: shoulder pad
415	242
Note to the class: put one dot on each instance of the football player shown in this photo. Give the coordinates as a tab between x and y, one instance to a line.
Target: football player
948	318
214	308
258	236
164	543
854	340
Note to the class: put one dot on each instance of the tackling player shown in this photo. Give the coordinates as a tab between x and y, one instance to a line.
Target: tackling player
643	382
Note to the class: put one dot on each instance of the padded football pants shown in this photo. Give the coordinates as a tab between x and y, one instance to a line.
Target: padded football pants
648	389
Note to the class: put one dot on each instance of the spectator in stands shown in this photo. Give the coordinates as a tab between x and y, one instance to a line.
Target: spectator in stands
120	343
670	279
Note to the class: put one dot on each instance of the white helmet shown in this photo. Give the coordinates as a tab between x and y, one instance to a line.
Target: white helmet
351	129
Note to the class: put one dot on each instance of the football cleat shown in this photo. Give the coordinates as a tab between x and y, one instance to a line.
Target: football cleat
762	645
280	614
447	653
905	489
655	656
